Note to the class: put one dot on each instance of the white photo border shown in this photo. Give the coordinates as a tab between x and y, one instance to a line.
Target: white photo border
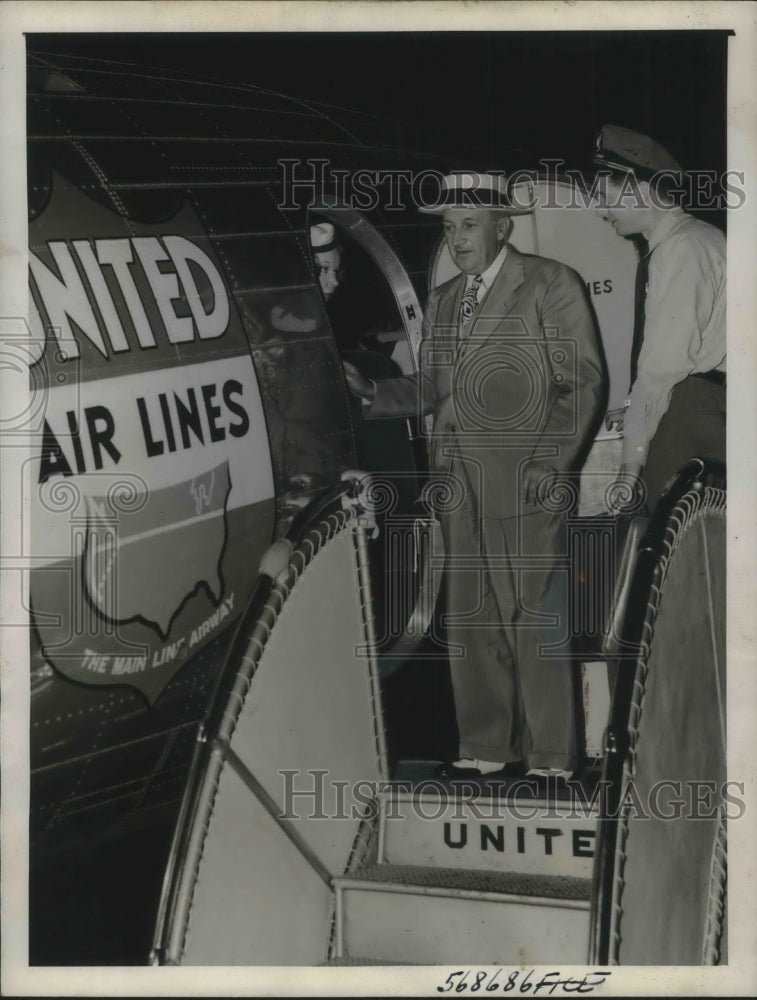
17	18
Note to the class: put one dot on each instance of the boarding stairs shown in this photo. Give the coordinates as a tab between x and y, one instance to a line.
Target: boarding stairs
406	868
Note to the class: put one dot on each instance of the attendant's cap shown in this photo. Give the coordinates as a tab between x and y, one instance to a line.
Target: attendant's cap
621	149
464	189
322	238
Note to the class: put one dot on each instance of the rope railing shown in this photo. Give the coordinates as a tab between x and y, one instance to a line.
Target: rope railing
691	509
286	564
712	951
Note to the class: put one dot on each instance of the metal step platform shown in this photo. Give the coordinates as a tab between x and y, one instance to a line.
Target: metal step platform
496	833
411	913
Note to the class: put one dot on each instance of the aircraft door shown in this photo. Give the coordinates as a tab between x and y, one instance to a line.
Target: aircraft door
368	257
376	321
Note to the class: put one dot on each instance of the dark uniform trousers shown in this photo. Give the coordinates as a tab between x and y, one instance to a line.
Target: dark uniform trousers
692	427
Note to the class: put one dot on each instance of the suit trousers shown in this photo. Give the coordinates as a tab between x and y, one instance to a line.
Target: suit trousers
692	427
514	698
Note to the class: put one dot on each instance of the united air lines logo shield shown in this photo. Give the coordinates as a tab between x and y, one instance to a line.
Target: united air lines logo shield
122	539
151	477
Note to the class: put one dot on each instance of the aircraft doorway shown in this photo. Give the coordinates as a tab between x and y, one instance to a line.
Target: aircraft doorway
376	322
375	318
376	305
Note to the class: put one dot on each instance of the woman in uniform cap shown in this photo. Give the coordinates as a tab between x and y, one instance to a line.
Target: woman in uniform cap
328	257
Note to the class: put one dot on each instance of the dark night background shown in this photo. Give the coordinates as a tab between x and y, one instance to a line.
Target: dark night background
483	100
493	99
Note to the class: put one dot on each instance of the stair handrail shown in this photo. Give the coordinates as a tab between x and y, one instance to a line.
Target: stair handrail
700	485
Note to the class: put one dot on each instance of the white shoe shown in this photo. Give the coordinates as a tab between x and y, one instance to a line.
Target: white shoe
484	766
549	772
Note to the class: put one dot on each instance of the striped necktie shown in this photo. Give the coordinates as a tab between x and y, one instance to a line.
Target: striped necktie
469	301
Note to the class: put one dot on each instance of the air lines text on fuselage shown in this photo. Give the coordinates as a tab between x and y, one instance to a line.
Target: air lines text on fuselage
115	294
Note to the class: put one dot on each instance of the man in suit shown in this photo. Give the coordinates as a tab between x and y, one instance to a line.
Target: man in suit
512	373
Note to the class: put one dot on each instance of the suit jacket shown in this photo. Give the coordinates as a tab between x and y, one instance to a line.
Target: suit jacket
526	381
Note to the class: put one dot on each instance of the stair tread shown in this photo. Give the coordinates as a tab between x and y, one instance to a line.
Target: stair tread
420	777
489	805
511	883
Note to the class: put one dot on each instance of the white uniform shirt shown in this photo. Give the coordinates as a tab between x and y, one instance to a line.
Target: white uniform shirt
684	324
